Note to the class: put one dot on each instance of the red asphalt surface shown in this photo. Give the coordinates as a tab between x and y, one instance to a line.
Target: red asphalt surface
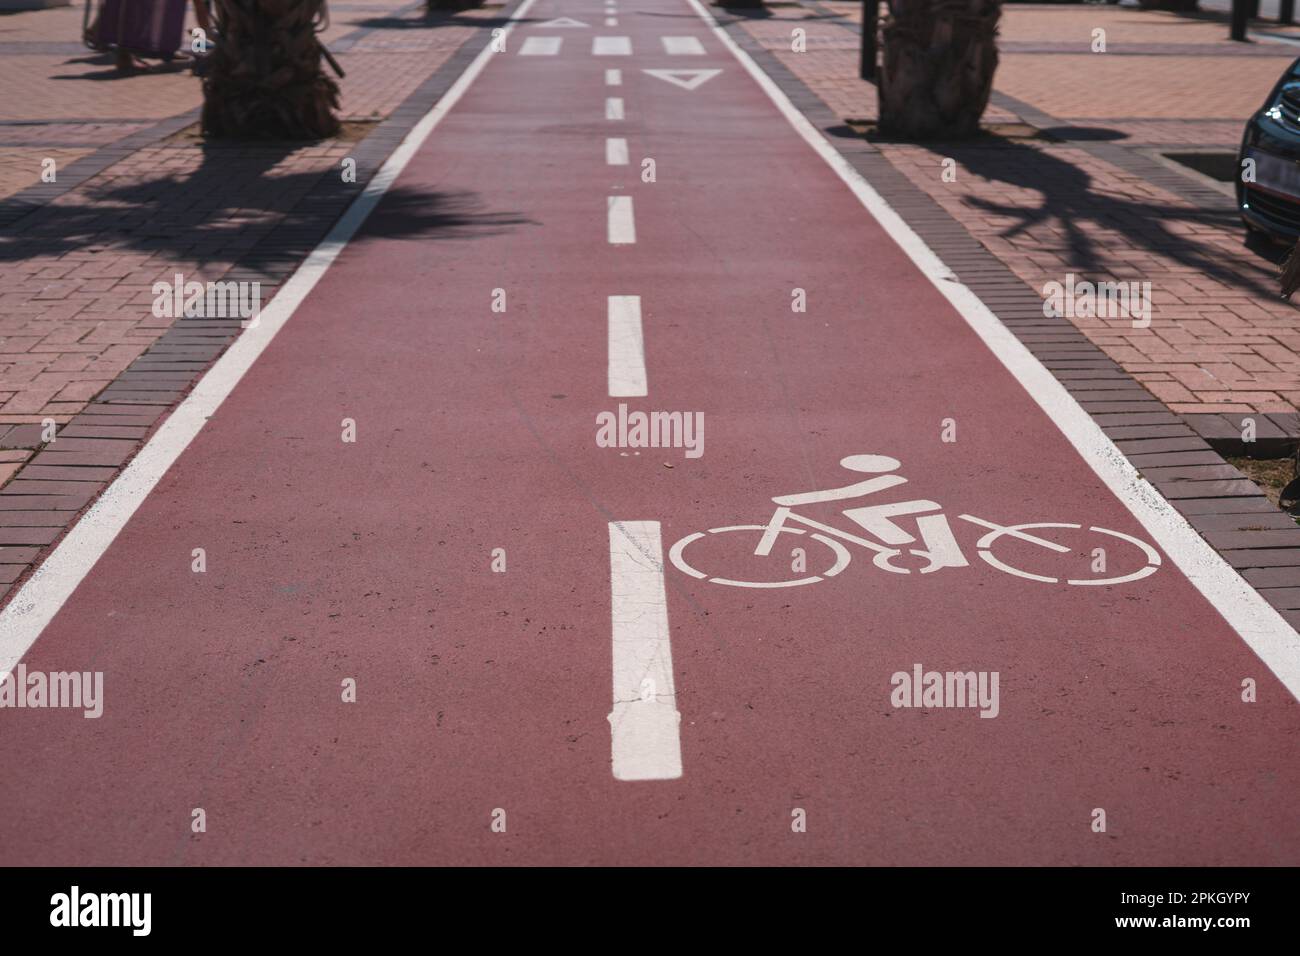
476	430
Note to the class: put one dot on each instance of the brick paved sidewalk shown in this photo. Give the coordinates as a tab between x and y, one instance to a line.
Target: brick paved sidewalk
1095	196
140	198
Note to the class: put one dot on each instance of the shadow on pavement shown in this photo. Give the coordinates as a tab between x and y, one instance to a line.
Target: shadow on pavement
1084	134
432	21
1070	204
223	210
410	214
724	15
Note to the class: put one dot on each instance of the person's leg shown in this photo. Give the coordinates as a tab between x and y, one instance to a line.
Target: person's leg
128	62
201	16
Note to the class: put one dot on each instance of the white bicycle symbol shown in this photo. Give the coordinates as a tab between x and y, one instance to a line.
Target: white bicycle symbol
939	546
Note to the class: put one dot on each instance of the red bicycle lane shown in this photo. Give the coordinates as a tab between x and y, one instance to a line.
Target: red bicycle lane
479	691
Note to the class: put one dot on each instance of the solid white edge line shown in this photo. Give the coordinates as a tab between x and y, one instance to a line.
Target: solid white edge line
44	594
1263	629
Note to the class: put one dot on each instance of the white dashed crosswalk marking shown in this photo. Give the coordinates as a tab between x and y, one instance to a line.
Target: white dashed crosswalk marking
541	46
682	45
611	46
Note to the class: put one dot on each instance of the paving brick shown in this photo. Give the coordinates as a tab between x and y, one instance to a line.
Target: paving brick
1282	577
59	502
36	519
23	436
1149	446
20	487
1213	427
1282	598
41	469
1253	521
1136	418
61	458
1172	458
1192	473
1263	558
1208	489
1232	540
31	536
74	430
18	555
1118	432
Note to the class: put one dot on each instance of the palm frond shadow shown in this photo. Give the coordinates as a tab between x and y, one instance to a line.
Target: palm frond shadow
409	214
1070	203
217	214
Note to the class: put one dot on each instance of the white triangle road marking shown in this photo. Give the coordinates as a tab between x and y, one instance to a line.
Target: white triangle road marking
686	79
562	22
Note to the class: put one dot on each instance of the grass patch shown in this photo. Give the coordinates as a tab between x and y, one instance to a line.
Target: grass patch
1271	474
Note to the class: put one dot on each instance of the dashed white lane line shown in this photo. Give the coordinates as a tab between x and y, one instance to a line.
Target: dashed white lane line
626	374
613	77
614	108
645	726
541	46
611	21
621	224
611	46
616	152
690	46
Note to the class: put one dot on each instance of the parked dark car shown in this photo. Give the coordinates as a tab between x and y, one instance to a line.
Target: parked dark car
1271	204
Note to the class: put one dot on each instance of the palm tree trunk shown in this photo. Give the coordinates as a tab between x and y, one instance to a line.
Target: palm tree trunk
937	69
264	79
